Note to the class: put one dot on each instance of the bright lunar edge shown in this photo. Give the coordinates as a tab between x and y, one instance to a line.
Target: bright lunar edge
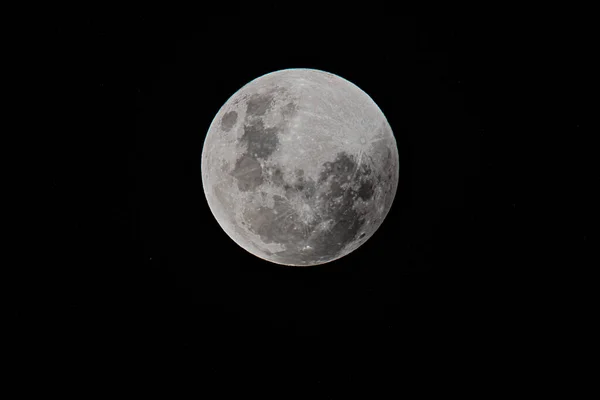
300	167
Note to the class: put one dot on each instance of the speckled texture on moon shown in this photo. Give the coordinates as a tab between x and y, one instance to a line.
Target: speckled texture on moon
300	167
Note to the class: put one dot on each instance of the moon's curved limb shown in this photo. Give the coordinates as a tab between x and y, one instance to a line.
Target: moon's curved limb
300	167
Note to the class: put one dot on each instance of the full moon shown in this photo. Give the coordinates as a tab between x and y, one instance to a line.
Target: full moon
300	167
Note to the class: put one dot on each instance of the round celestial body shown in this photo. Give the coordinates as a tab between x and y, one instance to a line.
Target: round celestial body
300	167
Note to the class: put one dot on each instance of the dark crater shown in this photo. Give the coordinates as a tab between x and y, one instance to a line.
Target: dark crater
228	121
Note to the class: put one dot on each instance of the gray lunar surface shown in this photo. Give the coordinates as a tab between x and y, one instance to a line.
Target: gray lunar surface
300	167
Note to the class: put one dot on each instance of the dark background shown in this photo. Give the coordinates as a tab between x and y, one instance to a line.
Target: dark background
455	272
480	269
437	264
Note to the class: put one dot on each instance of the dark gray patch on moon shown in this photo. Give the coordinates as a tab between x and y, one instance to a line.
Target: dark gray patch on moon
228	120
248	173
338	205
289	110
332	223
258	104
261	142
276	175
365	192
302	187
277	224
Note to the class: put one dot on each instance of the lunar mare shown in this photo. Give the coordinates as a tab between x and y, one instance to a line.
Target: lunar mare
300	167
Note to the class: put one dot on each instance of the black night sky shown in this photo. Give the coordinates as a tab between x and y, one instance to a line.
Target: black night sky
439	255
152	272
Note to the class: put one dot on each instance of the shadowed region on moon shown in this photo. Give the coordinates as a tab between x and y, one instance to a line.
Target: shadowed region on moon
325	222
301	192
248	173
258	104
228	121
261	142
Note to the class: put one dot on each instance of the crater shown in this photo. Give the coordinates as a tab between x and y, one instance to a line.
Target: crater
228	120
365	192
289	110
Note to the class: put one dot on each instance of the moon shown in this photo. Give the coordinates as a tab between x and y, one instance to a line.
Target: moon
300	167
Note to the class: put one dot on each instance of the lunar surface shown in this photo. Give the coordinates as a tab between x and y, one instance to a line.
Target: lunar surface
300	167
